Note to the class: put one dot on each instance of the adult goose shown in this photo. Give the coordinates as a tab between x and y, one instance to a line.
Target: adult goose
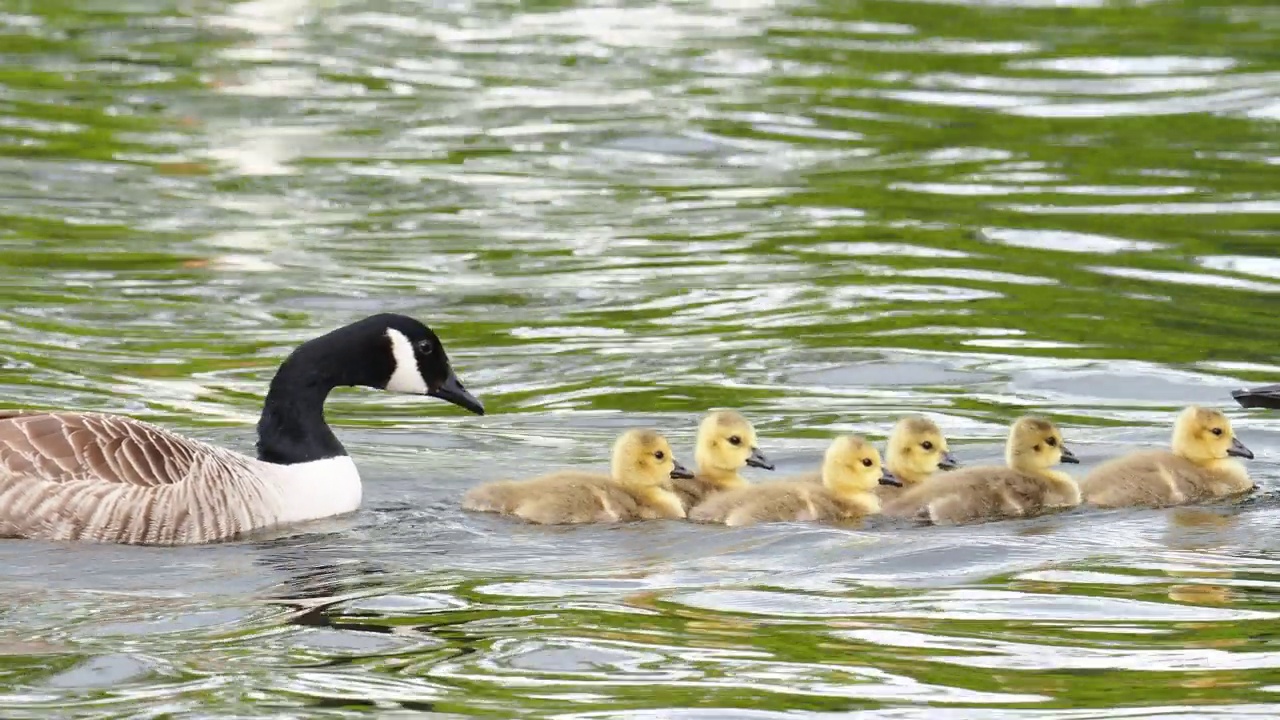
110	478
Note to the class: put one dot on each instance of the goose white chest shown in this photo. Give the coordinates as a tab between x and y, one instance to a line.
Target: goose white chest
313	490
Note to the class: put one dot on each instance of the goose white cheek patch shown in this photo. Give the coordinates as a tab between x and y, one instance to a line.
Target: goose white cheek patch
406	378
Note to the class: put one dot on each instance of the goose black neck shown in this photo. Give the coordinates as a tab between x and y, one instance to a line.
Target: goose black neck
292	428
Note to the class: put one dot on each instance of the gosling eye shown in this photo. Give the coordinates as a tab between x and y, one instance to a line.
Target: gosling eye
1216	431
927	445
866	462
735	440
1052	442
660	455
1036	448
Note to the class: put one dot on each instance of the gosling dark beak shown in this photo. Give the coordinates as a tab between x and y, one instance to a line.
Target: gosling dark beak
1068	456
948	461
1238	449
888	478
1266	396
451	390
757	459
679	471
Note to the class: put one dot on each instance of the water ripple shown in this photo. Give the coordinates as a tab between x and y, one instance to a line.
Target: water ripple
826	215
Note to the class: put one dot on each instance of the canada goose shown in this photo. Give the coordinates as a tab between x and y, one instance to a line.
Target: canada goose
851	471
1200	467
915	451
726	443
1264	396
110	478
638	487
1026	487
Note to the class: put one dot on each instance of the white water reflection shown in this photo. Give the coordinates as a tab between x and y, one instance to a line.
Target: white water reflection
964	605
1067	241
1187	278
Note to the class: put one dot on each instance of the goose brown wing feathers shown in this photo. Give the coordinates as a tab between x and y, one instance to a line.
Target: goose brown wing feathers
66	447
76	476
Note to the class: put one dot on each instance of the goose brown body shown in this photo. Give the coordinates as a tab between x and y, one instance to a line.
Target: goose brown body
109	478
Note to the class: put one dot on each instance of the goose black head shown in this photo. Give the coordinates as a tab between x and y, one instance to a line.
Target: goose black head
420	366
389	352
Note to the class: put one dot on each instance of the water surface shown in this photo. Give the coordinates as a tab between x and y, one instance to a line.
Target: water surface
824	214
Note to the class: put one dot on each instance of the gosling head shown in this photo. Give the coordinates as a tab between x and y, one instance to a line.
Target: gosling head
644	457
1036	444
852	466
917	449
1203	435
727	442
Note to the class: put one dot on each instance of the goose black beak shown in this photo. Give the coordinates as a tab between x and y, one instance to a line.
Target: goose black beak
888	478
1266	396
757	459
1069	457
451	390
1238	449
948	461
680	472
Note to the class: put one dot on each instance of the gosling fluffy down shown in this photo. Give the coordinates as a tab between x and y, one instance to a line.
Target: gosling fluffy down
1199	467
1026	487
851	471
915	451
637	488
726	443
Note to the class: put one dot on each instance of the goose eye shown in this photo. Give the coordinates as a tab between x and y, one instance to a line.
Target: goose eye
866	462
659	454
1053	442
424	346
1217	431
735	440
926	445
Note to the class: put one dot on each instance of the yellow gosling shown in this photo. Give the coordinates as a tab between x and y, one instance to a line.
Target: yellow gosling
851	471
916	450
636	488
1199	466
726	443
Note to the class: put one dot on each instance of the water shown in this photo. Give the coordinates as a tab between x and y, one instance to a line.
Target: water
824	214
